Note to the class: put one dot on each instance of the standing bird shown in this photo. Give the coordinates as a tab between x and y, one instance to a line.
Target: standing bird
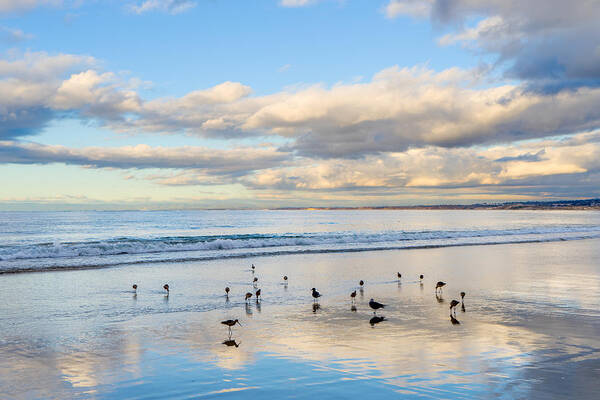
439	285
227	291
257	295
315	294
230	323
253	267
285	279
399	276
375	305
453	305
248	295
462	296
134	287
361	283
254	280
353	296
166	287
421	277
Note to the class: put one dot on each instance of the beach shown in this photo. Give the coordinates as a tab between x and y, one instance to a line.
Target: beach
530	327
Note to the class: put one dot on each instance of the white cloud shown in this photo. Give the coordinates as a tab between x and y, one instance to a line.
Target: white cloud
20	5
169	6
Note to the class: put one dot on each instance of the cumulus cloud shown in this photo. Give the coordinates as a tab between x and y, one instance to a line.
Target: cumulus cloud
553	44
12	36
169	6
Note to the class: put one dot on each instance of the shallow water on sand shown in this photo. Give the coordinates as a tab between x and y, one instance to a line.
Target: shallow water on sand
530	327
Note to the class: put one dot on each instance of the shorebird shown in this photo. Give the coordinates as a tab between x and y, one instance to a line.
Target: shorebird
439	285
230	323
421	277
254	280
353	296
462	296
376	320
462	301
315	294
253	267
248	295
257	295
285	278
227	291
361	283
399	276
453	305
134	287
166	287
375	305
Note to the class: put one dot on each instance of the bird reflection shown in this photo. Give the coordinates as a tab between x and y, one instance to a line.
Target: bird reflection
258	306
231	342
315	307
439	298
353	308
462	307
248	309
454	320
376	320
462	301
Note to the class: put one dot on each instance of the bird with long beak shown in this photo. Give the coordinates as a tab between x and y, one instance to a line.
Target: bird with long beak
315	294
375	306
439	286
257	295
166	287
453	305
230	323
248	295
353	296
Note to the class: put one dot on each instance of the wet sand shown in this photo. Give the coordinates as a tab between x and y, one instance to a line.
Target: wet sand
530	327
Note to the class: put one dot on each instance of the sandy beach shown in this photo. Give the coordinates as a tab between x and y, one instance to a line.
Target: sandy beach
530	327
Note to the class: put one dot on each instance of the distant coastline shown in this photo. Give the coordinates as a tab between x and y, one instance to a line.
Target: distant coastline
589	204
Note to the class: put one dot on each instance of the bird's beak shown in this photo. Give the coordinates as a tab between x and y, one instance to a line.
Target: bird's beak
239	323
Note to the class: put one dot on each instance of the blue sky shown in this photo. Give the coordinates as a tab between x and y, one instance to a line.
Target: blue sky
188	104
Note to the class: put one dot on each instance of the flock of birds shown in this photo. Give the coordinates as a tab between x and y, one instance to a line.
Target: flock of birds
375	305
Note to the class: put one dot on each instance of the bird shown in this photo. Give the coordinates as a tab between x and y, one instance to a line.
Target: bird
353	295
257	295
361	283
253	267
227	291
440	285
255	280
166	287
315	294
134	287
375	305
376	320
230	323
285	278
399	275
462	296
453	305
248	295
421	277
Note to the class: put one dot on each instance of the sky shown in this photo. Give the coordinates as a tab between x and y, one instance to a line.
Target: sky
177	104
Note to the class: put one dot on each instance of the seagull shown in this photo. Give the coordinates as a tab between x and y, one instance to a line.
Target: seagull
440	285
257	295
315	294
375	305
227	291
353	295
453	305
230	323
166	287
134	287
248	295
